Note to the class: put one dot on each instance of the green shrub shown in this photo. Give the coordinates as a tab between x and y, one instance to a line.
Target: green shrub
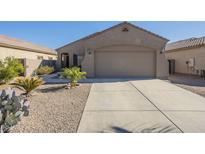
74	74
44	70
9	69
28	84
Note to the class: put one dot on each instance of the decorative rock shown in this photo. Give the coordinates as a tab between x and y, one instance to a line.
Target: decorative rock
58	111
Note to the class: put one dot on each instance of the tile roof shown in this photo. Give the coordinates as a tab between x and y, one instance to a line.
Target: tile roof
24	45
184	44
120	24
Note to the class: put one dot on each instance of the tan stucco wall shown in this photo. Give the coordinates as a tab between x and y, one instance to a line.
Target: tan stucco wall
181	56
162	65
31	65
30	58
17	53
116	38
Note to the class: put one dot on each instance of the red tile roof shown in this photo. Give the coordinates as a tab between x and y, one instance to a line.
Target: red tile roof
122	23
184	44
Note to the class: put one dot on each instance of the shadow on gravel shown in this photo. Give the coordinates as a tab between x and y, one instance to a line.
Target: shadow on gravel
51	89
190	80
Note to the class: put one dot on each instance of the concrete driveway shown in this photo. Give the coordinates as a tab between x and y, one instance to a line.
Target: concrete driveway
148	105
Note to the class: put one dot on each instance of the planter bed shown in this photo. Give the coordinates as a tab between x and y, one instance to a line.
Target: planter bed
54	109
192	83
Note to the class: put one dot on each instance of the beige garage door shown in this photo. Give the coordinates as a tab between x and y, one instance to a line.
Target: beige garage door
124	64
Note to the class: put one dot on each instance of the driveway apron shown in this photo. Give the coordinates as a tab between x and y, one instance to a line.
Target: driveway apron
184	108
119	106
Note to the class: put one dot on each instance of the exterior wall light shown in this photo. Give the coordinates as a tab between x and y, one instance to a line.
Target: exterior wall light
89	51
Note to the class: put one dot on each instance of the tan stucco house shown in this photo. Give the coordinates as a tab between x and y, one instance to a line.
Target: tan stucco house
32	55
186	56
123	50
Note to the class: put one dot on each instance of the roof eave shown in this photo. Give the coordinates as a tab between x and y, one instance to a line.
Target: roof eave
149	32
185	48
27	49
98	33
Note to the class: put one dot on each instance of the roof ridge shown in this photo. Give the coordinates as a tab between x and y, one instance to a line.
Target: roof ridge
179	41
122	23
146	30
9	41
189	39
23	40
186	43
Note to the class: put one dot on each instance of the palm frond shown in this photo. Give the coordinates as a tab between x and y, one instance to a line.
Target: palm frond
74	74
28	84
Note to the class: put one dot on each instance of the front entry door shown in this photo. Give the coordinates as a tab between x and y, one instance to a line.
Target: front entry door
64	60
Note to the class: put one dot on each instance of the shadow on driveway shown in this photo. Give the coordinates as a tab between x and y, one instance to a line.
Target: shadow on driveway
55	79
152	129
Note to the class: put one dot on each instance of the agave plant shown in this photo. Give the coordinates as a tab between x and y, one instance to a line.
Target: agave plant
12	108
28	84
74	74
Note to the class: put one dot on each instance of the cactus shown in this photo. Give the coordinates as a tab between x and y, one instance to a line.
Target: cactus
12	108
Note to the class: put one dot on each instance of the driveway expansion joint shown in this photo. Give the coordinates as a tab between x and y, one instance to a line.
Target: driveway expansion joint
121	110
156	107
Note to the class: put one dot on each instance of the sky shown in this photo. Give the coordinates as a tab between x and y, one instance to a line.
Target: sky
56	34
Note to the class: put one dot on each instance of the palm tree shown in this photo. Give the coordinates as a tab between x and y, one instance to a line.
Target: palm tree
74	74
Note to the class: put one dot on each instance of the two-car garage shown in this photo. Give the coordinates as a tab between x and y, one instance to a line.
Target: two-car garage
125	63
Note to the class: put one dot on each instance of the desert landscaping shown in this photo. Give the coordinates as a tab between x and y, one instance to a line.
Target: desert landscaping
30	105
54	109
193	83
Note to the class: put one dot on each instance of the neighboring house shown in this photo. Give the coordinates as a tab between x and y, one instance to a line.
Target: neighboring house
31	55
186	56
124	50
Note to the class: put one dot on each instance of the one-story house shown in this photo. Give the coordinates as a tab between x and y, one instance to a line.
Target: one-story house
31	55
186	56
123	50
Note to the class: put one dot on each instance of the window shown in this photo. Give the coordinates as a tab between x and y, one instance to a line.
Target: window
40	57
50	58
75	60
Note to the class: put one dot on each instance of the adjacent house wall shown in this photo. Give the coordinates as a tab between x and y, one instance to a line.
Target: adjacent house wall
17	53
31	65
31	61
182	56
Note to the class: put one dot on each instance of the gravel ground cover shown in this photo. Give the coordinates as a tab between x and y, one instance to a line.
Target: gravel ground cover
54	109
192	83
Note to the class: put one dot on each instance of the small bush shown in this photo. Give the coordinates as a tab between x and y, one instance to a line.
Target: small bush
12	108
74	74
28	84
9	69
44	70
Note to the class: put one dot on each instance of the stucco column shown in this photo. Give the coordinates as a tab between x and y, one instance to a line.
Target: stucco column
162	67
88	63
70	59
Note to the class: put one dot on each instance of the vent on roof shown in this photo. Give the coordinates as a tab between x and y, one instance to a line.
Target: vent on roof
125	29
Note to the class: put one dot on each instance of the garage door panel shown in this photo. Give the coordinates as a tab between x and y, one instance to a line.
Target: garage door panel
124	63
